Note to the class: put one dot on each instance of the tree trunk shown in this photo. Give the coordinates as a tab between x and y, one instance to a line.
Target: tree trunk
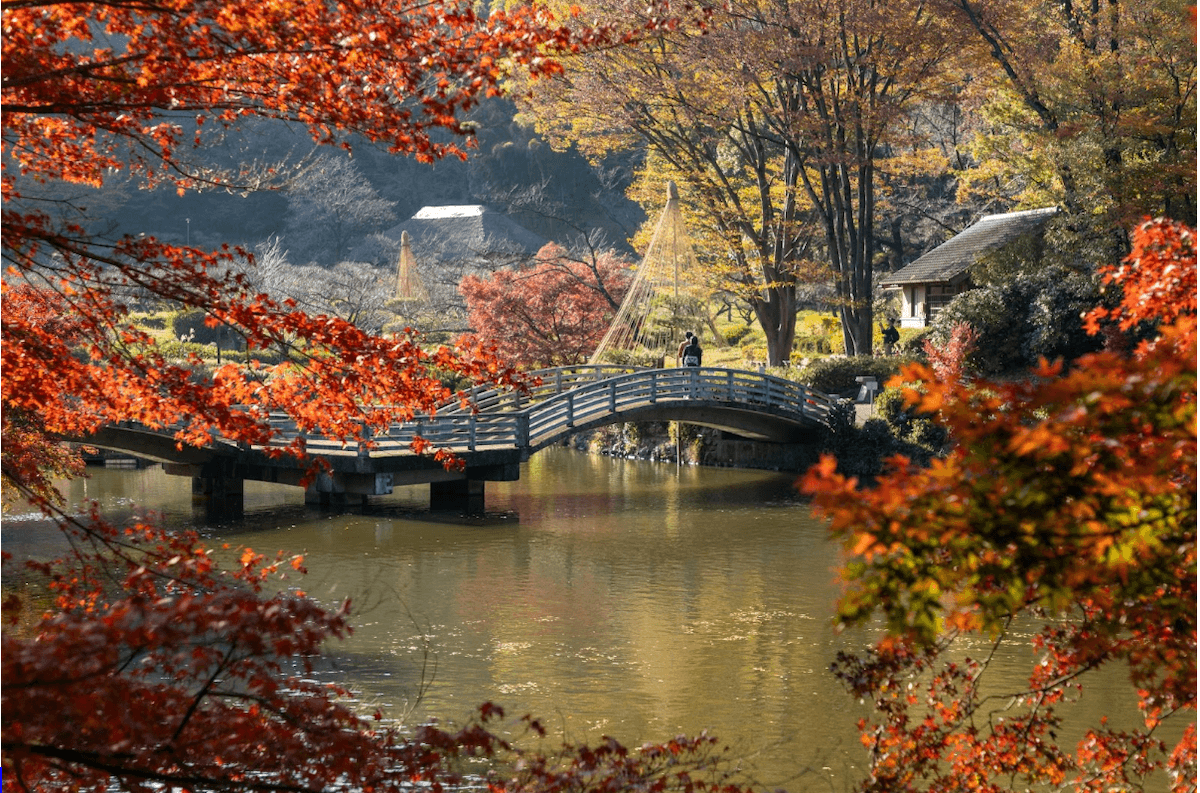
777	317
847	203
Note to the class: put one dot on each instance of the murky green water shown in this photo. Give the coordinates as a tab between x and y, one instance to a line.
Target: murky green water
606	597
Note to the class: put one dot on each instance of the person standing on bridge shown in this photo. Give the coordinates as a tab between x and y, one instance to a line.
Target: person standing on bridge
691	353
687	339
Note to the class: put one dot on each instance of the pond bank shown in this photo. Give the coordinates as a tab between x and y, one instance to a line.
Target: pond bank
860	447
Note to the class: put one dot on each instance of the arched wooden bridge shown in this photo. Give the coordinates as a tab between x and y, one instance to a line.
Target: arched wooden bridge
499	431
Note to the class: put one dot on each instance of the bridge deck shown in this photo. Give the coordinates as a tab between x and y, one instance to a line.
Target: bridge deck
561	406
504	427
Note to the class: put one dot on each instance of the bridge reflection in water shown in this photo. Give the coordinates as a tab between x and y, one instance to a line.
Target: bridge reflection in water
493	436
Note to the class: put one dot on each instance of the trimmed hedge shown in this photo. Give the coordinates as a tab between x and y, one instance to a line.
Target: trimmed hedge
188	326
735	333
835	375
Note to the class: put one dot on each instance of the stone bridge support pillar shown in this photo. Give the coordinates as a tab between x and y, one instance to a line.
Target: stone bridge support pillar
342	490
217	488
335	501
218	496
457	495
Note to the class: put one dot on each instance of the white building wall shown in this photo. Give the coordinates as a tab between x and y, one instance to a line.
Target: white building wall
913	306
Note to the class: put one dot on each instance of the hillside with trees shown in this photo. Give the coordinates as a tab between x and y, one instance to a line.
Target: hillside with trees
555	194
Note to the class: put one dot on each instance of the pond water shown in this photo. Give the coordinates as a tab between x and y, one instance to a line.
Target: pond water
606	597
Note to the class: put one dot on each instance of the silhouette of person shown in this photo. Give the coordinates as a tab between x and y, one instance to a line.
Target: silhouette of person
890	337
687	339
692	352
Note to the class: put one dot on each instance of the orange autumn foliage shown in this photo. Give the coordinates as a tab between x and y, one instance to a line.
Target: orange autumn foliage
147	666
1067	508
1157	280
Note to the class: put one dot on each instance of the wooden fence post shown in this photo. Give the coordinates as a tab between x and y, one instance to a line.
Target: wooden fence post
363	438
522	430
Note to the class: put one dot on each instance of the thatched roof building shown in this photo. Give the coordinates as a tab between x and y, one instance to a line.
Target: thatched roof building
932	281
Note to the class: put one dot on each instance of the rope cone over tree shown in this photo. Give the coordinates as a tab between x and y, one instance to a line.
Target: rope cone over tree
667	297
409	286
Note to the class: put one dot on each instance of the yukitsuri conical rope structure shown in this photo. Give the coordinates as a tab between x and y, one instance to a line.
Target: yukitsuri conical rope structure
666	298
408	282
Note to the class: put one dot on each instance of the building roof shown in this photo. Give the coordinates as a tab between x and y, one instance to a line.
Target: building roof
949	261
464	232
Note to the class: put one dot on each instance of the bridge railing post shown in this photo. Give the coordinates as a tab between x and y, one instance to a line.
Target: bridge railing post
612	396
654	386
362	439
522	430
570	409
693	381
472	423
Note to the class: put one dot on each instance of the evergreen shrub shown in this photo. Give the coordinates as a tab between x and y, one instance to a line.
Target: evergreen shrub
189	326
150	321
912	345
928	434
631	358
736	332
180	350
1034	315
889	406
836	375
269	356
754	351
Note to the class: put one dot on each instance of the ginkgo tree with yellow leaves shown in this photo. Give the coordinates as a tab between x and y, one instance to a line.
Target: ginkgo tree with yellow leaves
1087	106
774	120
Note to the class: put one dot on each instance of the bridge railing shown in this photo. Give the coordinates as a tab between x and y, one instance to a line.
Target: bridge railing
594	394
464	432
546	383
650	387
